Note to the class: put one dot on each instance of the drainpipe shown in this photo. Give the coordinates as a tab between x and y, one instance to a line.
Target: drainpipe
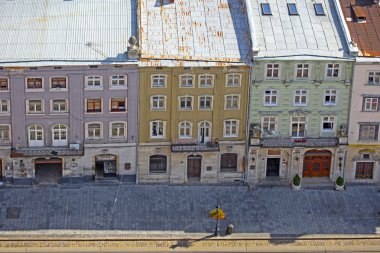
138	124
248	113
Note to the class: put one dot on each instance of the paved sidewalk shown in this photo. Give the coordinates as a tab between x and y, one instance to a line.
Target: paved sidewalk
178	210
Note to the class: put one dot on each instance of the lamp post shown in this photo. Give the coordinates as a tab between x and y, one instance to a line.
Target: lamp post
217	214
217	220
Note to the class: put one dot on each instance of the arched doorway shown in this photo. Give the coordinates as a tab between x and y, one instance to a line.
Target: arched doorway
105	166
48	170
317	163
194	165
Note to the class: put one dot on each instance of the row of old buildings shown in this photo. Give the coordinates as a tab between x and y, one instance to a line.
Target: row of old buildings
172	91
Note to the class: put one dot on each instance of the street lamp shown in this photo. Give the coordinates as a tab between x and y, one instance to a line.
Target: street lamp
217	214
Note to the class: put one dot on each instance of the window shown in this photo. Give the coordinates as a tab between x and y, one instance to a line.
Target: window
158	81
94	82
374	78
204	132
270	98
93	105
158	103
59	135
118	130
185	103
328	124
292	8
302	71
36	136
4	106
118	105
157	164
94	131
300	97
364	170
4	133
185	130
232	102
231	128
34	83
157	129
186	81
330	97
118	82
228	162
265	9
268	125
332	70
272	71
206	81
319	11
58	83
205	103
233	80
368	132
34	106
371	104
58	106
298	127
4	84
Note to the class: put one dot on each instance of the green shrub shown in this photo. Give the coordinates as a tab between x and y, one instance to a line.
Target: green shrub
340	181
297	180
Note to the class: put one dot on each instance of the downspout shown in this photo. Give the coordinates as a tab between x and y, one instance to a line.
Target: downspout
248	113
138	124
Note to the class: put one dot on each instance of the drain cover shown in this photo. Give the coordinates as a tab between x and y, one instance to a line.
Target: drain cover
13	212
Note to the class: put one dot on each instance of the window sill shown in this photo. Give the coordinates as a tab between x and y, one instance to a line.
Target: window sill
58	89
329	104
34	90
158	109
119	88
98	88
270	105
35	113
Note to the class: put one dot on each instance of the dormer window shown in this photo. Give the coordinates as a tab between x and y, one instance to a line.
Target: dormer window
265	8
292	8
319	11
359	13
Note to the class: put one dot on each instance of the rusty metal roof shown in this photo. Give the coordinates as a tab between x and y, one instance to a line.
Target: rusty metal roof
365	33
305	34
65	31
191	31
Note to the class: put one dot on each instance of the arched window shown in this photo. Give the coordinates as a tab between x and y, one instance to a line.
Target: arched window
59	135
36	136
184	130
204	132
228	162
157	164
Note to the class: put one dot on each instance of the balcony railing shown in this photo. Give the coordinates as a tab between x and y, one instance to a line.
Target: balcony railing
30	152
196	147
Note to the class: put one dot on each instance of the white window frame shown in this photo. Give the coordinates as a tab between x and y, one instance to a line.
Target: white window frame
92	136
125	105
52	111
271	67
228	126
7	80
163	135
158	77
160	98
206	97
58	89
2	133
38	132
186	108
376	132
36	89
229	99
118	136
118	78
61	141
328	119
34	112
271	96
233	77
186	78
204	124
188	127
101	106
370	108
303	93
298	122
376	77
7	104
206	77
303	69
328	93
92	79
271	120
335	66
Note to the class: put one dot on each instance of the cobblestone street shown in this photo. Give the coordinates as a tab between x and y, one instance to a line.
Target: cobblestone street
272	210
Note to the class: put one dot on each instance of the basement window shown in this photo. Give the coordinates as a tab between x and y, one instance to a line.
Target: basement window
292	8
265	8
319	11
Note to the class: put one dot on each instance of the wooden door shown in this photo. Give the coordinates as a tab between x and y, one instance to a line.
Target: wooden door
317	164
194	164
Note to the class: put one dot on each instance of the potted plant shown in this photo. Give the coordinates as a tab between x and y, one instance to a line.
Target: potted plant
339	184
296	183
